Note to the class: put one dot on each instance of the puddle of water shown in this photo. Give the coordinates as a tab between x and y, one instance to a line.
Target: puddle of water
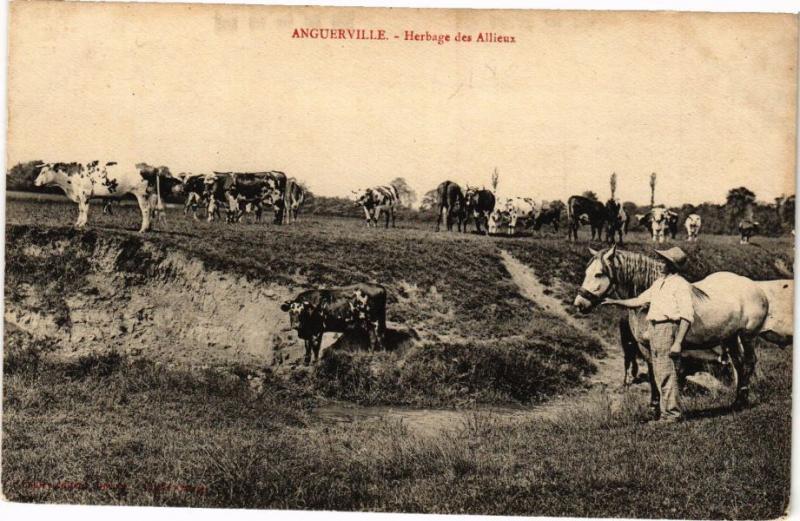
423	422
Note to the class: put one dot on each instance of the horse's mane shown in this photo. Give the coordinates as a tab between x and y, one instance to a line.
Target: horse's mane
635	272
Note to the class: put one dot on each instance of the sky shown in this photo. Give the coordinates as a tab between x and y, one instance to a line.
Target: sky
707	101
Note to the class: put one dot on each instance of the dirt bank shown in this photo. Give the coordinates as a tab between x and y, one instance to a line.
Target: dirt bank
134	297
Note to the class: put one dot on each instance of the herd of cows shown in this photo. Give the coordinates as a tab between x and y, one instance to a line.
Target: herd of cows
238	193
362	307
458	206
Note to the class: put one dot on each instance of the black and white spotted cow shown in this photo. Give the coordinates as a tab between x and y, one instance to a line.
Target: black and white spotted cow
193	190
376	200
251	191
295	196
478	203
82	182
360	307
655	221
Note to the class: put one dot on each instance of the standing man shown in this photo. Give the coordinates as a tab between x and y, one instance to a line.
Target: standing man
670	315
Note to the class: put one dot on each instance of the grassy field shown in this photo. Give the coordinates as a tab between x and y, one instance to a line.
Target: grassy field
112	428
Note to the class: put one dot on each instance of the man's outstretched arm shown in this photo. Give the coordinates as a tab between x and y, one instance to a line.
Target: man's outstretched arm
635	302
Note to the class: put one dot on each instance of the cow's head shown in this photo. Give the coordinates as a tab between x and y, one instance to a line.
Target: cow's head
470	197
272	196
298	311
359	305
597	281
46	174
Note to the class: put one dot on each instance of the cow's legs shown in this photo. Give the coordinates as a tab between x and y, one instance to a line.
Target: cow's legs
309	344
211	209
83	212
439	219
144	206
317	342
376	214
394	218
376	336
279	206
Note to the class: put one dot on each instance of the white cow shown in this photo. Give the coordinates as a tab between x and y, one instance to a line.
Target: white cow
657	218
693	224
84	181
495	221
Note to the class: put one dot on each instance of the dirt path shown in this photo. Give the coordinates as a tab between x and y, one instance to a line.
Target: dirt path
610	368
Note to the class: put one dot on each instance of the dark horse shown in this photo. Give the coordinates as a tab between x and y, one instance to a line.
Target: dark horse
451	204
595	212
616	219
479	203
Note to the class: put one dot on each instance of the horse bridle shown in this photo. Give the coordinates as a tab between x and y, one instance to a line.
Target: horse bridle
610	270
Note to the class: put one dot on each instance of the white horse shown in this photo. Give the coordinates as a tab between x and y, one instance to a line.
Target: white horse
729	310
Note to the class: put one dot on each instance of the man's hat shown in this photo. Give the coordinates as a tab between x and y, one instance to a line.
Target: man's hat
675	256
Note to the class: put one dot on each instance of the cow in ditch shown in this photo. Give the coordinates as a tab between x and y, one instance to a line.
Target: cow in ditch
356	308
82	182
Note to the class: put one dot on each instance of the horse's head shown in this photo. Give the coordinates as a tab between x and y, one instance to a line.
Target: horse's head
598	281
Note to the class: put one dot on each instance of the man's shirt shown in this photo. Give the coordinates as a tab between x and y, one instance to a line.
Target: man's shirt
670	299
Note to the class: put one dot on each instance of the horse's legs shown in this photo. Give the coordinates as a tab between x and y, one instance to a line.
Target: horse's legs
746	348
